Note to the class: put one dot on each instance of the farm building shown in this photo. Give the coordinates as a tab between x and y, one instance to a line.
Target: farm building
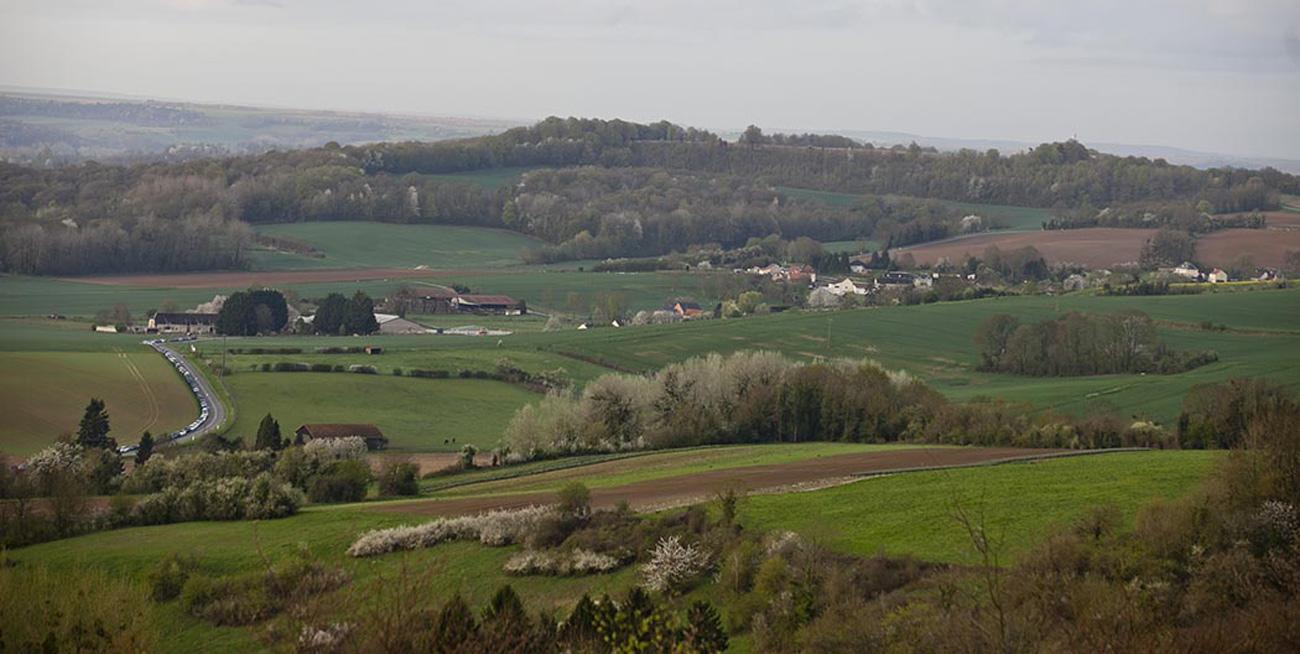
844	287
186	323
375	439
425	301
489	304
1187	269
1217	276
392	324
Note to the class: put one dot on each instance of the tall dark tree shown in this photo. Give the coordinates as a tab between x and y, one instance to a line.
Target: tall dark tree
703	632
144	450
94	427
247	313
268	435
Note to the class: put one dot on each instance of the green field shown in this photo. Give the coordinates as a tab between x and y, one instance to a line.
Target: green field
1003	216
913	513
901	514
349	244
935	342
563	291
673	463
415	414
489	178
50	369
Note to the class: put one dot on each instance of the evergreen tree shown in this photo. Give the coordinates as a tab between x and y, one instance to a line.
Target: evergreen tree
703	632
93	430
456	627
268	435
144	450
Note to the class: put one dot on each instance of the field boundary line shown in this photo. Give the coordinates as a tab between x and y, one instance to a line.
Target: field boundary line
1028	458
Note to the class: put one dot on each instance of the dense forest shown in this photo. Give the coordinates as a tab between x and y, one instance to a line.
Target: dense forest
637	190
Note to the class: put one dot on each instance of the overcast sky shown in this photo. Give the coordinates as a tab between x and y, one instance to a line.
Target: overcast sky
1216	75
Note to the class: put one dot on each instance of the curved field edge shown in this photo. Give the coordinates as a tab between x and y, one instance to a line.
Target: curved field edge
913	513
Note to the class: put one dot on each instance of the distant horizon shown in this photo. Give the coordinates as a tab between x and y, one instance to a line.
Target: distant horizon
1208	75
1001	143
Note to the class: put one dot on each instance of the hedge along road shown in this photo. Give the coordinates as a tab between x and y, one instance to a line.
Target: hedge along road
203	392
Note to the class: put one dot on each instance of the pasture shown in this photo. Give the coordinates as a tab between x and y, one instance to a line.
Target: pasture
416	415
350	244
914	513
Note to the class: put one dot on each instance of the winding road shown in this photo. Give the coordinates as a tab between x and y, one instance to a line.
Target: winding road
212	412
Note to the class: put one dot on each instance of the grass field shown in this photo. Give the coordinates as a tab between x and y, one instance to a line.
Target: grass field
906	513
675	463
415	414
935	342
565	291
49	370
1003	216
913	513
349	244
490	178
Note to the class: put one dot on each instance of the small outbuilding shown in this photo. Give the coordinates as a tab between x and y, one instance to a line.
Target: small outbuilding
375	439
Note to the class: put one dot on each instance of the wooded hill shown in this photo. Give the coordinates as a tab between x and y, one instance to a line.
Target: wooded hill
643	190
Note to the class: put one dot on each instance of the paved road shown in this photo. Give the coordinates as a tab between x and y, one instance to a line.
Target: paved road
203	392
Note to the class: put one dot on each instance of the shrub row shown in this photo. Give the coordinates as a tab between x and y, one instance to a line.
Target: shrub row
562	563
495	528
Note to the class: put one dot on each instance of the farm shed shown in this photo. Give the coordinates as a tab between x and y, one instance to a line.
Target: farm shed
375	439
490	304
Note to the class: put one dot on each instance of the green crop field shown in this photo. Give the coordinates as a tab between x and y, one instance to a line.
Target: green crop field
673	463
852	247
415	414
348	244
46	387
1003	216
913	513
563	291
489	178
935	342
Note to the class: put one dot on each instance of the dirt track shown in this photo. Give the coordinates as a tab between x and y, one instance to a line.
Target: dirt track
685	489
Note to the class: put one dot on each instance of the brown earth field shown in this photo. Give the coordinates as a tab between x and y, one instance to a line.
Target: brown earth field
241	279
1102	247
696	487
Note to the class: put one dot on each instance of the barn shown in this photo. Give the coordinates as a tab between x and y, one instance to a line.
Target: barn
375	439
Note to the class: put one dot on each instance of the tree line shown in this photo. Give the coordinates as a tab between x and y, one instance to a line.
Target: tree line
1078	344
162	217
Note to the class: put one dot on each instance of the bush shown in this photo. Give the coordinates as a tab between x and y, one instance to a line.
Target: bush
399	478
321	367
673	566
287	366
492	528
564	564
343	481
167	577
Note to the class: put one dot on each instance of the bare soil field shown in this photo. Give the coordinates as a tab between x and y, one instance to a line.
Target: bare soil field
1098	247
240	279
1267	247
1103	247
655	493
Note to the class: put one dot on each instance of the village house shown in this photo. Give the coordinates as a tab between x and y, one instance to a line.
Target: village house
375	439
183	323
802	273
684	308
1188	270
1217	276
844	287
898	279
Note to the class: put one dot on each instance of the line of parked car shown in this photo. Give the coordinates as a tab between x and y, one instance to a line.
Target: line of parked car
204	409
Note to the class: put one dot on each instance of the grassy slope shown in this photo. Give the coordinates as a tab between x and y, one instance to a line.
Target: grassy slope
913	513
348	244
934	341
661	465
1003	216
50	369
906	513
415	414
